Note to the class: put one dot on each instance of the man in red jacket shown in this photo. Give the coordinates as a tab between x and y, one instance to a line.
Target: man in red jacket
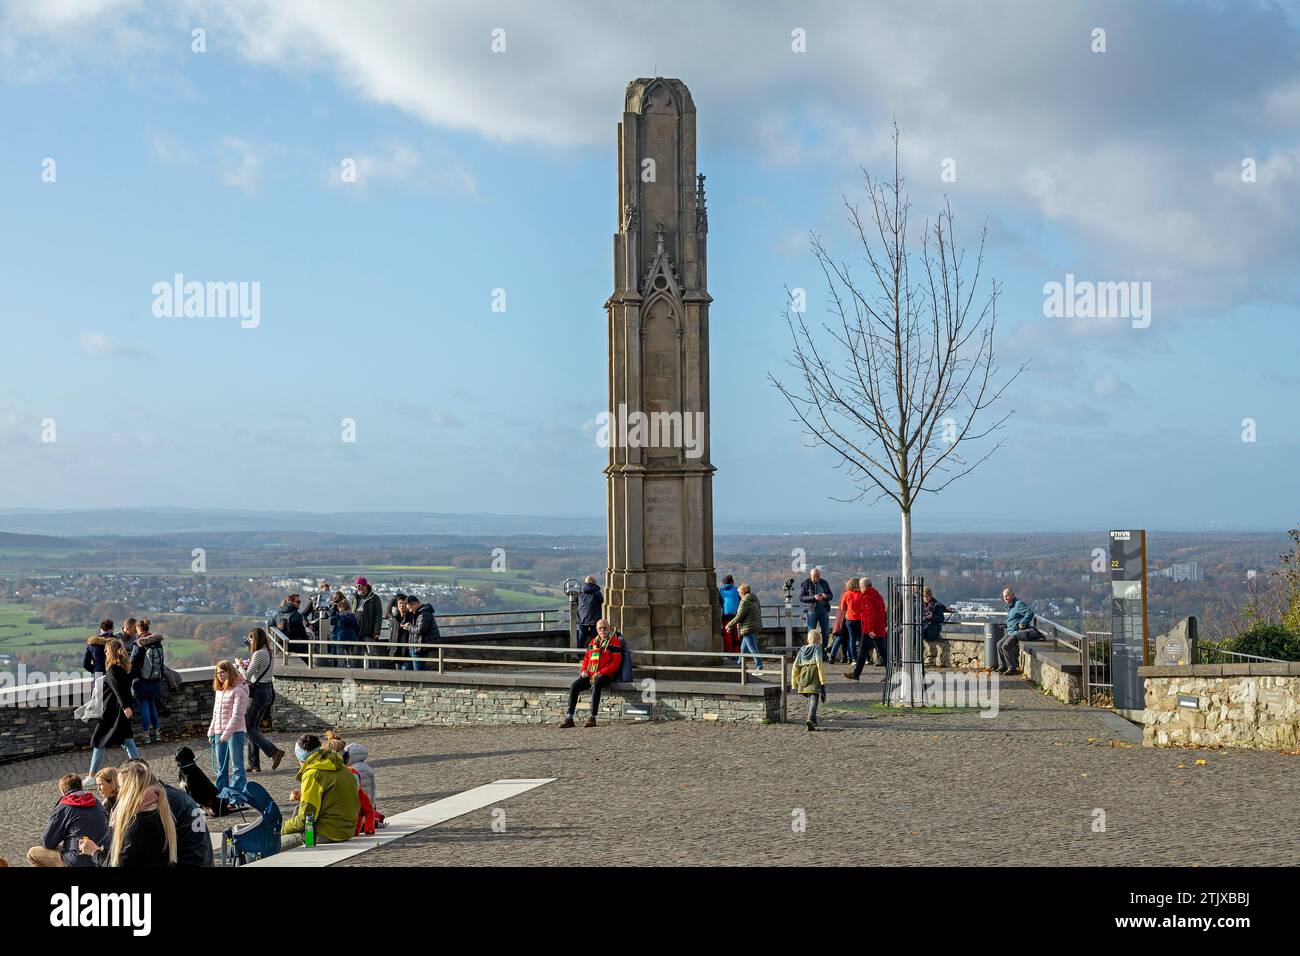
873	628
600	667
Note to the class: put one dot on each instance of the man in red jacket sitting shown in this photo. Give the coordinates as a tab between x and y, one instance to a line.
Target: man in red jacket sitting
873	628
600	667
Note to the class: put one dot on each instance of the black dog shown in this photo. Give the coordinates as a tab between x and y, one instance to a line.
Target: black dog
196	783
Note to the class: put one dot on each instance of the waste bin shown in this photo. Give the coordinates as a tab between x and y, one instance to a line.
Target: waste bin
994	631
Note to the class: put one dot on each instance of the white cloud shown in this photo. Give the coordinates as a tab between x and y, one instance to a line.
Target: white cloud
400	165
96	343
243	165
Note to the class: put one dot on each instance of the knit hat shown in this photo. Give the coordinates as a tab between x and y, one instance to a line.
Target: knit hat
362	583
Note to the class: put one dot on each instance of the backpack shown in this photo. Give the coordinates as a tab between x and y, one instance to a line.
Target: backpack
625	669
151	668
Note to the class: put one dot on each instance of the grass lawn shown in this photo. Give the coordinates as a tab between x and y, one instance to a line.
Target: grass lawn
66	644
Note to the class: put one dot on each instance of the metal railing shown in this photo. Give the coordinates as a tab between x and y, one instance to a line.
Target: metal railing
438	659
1209	653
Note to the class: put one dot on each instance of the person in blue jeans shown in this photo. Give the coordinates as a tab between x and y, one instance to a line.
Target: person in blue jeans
227	730
422	630
749	622
113	727
147	670
815	596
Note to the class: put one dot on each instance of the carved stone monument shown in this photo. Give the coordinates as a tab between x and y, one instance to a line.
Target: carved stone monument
660	587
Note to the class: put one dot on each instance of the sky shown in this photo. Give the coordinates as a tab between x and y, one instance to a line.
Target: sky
1171	156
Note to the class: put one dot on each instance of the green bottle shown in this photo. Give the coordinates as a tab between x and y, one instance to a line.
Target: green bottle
309	830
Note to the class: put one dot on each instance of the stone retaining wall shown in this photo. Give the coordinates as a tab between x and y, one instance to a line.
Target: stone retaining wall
353	700
1236	705
1057	674
29	726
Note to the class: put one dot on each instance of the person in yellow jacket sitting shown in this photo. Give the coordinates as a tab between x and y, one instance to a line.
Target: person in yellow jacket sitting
809	674
328	791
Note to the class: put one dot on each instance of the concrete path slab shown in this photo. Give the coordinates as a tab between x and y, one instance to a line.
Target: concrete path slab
404	824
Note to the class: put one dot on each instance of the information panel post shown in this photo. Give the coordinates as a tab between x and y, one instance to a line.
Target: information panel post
1128	616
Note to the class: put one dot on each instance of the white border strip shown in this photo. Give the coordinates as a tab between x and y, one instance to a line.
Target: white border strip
404	824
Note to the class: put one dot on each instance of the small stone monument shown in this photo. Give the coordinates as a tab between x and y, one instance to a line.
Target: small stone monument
1178	647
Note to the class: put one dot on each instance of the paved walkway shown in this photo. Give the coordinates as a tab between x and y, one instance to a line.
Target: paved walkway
871	788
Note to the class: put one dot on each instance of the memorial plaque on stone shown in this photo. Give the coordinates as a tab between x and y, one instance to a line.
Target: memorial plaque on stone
1178	647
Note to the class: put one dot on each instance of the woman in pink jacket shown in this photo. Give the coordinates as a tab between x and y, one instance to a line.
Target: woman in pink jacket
227	730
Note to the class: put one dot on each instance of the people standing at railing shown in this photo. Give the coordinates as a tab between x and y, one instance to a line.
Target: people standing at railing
808	676
816	597
228	731
147	662
420	630
130	632
344	636
600	667
749	624
288	620
932	618
396	615
369	609
77	814
113	727
259	676
874	623
590	604
1020	627
319	607
93	659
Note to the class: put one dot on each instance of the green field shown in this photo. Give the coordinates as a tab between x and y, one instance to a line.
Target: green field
66	644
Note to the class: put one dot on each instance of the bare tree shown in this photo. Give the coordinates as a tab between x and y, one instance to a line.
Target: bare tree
897	384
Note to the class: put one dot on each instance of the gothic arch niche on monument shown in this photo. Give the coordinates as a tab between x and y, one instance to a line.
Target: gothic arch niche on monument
661	386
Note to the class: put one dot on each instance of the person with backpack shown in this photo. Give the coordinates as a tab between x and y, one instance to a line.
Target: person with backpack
748	623
600	667
113	727
343	632
808	676
147	672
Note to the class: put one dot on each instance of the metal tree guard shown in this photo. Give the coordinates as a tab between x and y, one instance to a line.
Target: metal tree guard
905	657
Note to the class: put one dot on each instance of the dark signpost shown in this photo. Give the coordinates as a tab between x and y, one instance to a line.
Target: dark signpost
1128	616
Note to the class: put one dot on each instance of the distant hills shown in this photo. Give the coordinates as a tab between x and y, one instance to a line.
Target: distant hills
144	522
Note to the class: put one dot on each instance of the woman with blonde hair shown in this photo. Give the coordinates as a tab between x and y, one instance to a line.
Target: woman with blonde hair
228	730
113	727
840	630
142	829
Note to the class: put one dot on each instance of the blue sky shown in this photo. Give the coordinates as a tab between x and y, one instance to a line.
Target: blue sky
482	170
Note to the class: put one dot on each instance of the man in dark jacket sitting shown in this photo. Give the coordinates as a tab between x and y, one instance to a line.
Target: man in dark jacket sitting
77	814
590	604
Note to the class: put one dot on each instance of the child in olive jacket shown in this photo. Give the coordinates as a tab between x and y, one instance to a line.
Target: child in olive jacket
809	675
